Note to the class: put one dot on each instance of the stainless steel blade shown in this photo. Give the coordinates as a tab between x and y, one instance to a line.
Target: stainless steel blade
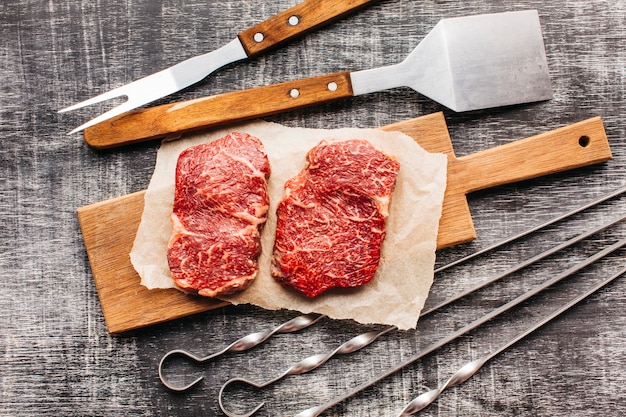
466	63
471	63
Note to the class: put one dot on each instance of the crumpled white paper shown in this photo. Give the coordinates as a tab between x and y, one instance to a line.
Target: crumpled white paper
397	293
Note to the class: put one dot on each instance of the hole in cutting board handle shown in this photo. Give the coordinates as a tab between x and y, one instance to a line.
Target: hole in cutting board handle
583	141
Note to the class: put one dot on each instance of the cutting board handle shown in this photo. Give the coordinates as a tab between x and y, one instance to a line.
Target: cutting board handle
569	147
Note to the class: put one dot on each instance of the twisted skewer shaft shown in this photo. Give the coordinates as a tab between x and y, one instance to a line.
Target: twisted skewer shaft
316	411
243	344
306	365
470	368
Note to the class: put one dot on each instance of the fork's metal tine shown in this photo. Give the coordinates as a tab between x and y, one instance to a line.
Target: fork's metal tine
139	92
142	91
116	92
163	83
116	111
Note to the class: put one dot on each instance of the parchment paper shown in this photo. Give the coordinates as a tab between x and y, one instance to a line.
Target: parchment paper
397	293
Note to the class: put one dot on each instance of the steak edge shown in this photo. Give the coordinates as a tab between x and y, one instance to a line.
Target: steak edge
220	208
331	219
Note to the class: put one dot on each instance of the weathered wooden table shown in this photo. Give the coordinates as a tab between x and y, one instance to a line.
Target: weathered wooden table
57	357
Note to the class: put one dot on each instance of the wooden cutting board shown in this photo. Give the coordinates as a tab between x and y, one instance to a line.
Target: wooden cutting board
109	227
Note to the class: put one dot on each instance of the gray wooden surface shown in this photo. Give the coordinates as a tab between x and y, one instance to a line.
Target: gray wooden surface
56	357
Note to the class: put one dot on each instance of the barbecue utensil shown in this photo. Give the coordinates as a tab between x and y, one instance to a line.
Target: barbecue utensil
470	368
253	41
317	410
305	365
464	63
109	227
365	339
240	345
358	342
616	193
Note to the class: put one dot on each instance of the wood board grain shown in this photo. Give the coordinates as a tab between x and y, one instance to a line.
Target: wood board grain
109	227
109	230
57	358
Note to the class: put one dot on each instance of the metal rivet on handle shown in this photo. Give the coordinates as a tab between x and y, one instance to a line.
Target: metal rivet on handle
294	93
293	20
332	86
258	37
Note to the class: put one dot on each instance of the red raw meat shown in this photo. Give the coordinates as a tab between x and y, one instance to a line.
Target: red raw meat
331	220
220	207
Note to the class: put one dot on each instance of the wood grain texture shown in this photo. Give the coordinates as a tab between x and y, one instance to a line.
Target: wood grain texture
108	232
311	14
56	355
109	227
222	109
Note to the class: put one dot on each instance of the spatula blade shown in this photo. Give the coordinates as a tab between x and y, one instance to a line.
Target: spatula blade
485	61
471	63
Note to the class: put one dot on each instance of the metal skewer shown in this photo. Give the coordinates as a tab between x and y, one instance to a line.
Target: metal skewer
304	366
470	368
301	322
243	344
550	222
317	410
365	339
524	264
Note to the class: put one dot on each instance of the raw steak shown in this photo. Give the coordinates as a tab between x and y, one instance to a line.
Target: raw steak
220	207
331	220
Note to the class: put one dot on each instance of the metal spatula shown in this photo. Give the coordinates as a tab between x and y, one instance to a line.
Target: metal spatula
471	63
465	63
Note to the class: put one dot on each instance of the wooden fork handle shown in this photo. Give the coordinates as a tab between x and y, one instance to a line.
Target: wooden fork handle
222	109
295	21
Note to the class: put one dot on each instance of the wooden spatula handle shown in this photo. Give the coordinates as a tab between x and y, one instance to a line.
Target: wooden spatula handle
295	21
222	109
569	147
